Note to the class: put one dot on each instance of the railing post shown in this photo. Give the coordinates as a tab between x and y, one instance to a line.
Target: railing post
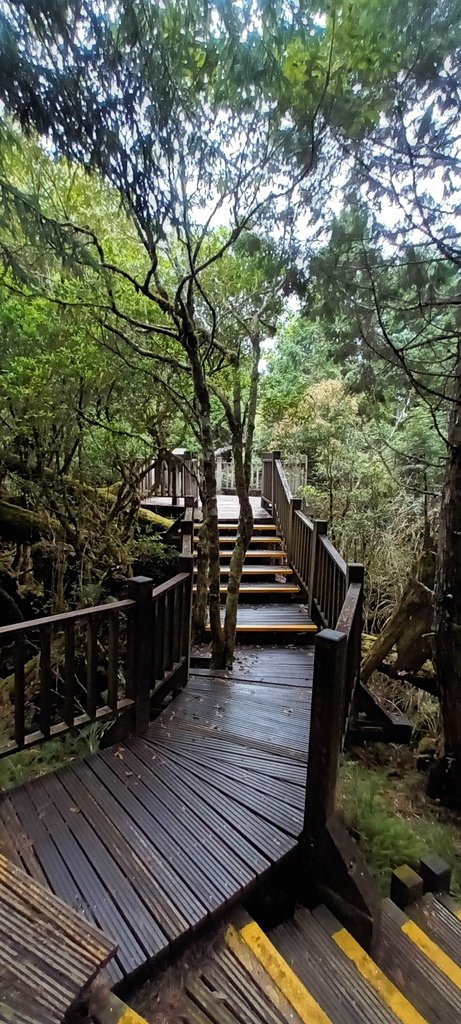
295	504
355	574
187	533
266	482
186	564
275	456
320	529
325	731
140	590
219	474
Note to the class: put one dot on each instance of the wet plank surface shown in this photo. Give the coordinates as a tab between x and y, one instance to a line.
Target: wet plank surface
48	953
151	838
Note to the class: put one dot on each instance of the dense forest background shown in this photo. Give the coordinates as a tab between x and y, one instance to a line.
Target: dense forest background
231	225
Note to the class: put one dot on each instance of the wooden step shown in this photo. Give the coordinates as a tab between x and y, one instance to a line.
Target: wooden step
263	588
258	570
267	526
346	982
262	539
287	618
440	917
254	553
419	966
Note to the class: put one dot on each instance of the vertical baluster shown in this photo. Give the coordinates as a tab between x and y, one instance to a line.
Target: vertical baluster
69	672
112	661
19	691
45	681
91	666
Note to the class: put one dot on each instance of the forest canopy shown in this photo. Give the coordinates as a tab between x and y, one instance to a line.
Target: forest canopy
233	224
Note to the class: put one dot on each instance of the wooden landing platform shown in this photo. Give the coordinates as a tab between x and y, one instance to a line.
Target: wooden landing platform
48	955
151	839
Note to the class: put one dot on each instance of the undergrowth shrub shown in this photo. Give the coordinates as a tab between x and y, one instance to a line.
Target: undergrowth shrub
387	837
26	765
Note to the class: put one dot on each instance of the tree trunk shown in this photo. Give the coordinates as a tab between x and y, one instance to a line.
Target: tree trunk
210	502
242	454
244	534
408	629
448	585
201	594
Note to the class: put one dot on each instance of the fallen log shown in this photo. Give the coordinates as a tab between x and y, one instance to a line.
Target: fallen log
23	526
409	630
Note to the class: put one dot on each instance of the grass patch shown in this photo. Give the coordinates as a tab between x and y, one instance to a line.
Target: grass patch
394	821
49	756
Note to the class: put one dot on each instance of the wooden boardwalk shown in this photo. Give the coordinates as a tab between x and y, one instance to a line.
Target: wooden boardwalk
152	838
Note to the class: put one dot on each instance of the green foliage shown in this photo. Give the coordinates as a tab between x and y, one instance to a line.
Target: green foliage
389	837
49	756
149	556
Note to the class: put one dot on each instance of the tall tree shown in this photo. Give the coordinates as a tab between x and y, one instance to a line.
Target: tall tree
169	103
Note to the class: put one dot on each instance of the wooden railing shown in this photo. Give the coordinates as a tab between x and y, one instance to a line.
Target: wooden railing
173	476
333	588
225	475
114	662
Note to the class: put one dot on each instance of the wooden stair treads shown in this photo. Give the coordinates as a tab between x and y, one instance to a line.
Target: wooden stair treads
265	589
267	526
258	570
341	991
270	618
261	553
403	956
257	539
48	953
440	918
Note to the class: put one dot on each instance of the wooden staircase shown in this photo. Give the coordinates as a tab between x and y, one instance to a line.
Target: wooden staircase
271	599
310	969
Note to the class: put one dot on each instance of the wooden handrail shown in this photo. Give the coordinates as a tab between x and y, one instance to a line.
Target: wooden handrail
334	554
142	645
53	620
350	623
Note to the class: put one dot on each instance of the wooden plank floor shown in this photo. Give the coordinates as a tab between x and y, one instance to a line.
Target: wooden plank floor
48	956
152	838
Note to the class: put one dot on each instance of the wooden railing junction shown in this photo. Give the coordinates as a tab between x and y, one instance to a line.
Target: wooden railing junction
334	590
173	475
114	662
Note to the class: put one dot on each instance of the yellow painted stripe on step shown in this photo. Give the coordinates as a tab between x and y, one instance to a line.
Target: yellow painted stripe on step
286	980
433	952
131	1017
373	975
111	1010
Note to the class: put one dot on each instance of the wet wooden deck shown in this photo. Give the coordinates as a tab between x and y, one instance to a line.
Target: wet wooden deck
152	838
